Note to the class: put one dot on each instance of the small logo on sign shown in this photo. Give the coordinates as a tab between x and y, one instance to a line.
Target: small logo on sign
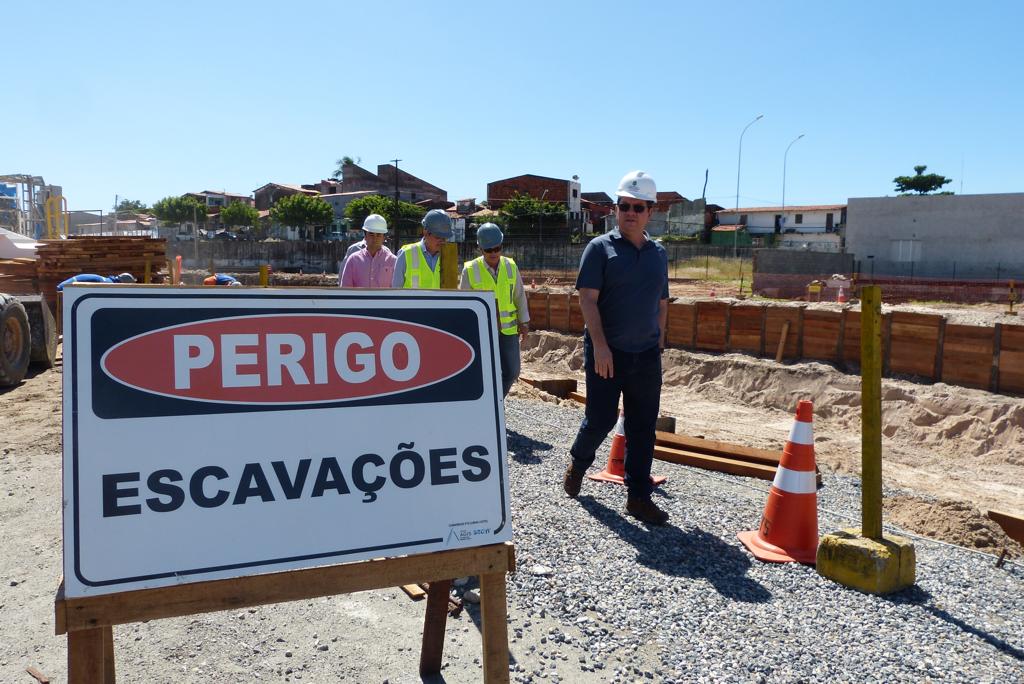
287	359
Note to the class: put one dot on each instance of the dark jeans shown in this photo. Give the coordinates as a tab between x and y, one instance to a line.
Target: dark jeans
638	378
508	354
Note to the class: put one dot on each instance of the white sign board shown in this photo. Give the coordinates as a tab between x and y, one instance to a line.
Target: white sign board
214	433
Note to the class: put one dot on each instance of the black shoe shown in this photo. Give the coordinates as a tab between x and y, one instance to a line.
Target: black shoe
572	481
646	511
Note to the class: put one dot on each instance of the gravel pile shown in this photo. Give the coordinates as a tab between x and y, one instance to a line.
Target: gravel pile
688	603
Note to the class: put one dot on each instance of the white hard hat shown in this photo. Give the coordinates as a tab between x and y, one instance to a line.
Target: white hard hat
375	223
638	185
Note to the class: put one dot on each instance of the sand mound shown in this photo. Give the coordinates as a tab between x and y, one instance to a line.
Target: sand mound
956	522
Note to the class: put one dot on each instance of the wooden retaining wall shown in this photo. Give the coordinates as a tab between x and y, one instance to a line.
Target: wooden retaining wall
924	346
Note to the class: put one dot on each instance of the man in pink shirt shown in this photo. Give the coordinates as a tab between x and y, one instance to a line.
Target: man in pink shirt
374	264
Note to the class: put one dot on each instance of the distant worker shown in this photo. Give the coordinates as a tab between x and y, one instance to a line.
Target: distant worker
623	286
93	278
419	265
499	274
222	279
374	264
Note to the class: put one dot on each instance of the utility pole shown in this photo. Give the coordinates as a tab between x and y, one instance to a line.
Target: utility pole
397	206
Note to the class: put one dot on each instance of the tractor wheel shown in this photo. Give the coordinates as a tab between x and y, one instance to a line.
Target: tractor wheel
15	341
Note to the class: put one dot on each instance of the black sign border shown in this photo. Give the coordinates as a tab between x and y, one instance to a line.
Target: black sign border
348	295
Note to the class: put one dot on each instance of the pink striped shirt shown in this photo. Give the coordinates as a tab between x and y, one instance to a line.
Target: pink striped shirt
363	270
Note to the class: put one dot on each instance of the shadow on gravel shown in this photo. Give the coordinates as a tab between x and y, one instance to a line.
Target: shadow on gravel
524	449
916	596
694	553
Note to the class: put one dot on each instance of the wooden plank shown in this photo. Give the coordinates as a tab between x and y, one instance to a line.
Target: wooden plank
821	334
712	328
494	628
782	342
716	448
717	463
1011	359
578	397
558	312
414	591
242	592
37	675
746	328
682	325
86	656
537	303
1013	525
914	340
775	318
560	387
967	355
434	622
576	322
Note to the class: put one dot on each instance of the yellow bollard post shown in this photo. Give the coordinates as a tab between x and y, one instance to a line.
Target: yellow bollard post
864	558
449	266
871	411
264	275
148	275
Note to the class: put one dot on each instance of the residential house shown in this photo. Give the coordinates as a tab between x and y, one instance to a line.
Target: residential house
555	190
410	188
267	195
815	227
941	236
328	186
215	201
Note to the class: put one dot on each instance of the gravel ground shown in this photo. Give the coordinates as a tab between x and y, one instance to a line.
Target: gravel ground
597	597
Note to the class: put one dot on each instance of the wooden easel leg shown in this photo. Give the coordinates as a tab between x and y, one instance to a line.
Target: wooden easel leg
433	627
108	656
86	656
494	616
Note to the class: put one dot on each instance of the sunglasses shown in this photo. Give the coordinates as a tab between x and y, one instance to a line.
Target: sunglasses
492	250
637	208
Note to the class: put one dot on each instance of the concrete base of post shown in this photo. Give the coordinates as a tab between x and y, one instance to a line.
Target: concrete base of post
869	565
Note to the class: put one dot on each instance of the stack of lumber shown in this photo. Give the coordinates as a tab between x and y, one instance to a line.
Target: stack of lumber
721	456
61	259
18	276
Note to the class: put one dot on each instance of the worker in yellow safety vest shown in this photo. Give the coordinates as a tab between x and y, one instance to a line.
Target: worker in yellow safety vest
499	274
419	265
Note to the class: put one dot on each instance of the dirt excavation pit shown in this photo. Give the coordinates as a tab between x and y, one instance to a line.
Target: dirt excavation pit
954	452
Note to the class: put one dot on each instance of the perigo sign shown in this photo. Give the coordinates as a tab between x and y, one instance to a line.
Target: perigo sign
213	433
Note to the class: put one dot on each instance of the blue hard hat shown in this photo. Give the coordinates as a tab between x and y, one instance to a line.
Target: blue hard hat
489	235
438	223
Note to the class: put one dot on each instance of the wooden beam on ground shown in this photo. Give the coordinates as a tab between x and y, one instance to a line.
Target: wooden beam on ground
578	397
717	463
714	448
560	387
414	591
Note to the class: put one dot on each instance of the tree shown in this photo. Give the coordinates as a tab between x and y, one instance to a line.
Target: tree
179	210
342	163
920	182
135	206
357	210
301	210
239	214
529	207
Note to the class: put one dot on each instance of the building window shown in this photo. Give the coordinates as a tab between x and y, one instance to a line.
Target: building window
575	193
743	219
799	218
414	197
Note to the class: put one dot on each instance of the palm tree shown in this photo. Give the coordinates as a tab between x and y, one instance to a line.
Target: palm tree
342	163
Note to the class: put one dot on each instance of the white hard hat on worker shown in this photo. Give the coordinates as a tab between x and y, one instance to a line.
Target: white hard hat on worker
638	185
637	194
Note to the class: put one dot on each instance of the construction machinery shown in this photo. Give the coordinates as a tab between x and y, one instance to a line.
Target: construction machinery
29	209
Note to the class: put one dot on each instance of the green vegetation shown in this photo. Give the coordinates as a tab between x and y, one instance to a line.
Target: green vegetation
521	207
359	209
921	183
134	206
301	210
179	210
239	214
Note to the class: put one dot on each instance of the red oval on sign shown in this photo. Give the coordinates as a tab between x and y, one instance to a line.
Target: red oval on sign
287	359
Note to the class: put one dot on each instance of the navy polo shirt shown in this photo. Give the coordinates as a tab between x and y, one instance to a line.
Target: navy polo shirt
632	283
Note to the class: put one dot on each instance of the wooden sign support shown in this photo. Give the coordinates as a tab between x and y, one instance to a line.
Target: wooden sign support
88	621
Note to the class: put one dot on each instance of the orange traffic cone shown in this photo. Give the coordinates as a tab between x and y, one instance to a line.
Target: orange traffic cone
789	526
615	471
841	297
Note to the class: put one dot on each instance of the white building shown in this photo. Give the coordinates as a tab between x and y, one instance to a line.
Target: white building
824	218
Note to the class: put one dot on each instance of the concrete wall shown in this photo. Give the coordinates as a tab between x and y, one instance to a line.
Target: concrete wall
786	273
941	236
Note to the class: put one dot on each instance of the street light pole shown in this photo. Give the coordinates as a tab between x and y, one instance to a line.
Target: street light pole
739	160
784	176
540	224
397	206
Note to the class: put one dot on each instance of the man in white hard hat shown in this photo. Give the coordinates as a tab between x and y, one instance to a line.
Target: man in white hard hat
374	264
623	286
499	274
419	264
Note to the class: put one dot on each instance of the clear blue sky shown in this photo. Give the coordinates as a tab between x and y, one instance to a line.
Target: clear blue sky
148	99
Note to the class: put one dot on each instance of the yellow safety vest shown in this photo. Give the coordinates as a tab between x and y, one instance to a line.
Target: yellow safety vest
418	274
481	279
